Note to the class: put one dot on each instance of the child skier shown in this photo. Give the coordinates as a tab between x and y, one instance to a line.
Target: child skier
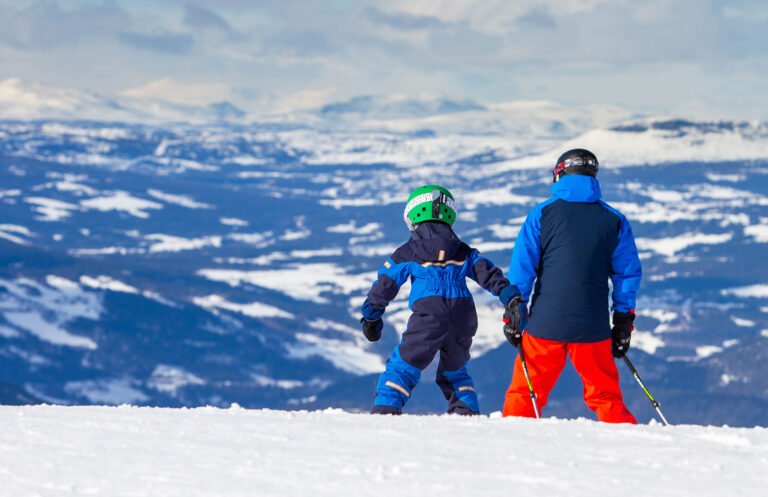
444	317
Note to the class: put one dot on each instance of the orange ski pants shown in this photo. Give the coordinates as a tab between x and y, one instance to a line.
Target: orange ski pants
545	360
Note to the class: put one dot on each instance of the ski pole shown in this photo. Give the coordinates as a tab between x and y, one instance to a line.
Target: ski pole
528	380
654	402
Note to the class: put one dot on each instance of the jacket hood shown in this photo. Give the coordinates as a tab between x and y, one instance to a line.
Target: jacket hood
577	188
429	238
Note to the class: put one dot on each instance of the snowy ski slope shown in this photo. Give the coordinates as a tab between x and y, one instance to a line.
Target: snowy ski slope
129	451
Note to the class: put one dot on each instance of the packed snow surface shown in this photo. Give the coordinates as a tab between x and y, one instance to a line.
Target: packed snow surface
47	451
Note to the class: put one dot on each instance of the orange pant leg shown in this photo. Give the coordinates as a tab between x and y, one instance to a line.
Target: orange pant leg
545	360
595	364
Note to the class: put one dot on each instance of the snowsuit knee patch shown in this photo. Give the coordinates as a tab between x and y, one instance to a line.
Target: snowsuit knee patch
396	383
462	390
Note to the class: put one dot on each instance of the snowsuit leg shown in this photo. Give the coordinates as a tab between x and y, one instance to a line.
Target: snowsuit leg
545	360
419	344
595	364
459	390
452	375
395	385
436	324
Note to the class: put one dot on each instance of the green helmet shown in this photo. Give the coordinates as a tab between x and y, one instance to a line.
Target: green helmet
429	203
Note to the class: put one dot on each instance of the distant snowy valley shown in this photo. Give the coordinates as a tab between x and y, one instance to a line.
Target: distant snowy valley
224	261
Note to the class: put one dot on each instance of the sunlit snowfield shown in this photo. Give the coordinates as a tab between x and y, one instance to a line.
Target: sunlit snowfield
195	265
126	451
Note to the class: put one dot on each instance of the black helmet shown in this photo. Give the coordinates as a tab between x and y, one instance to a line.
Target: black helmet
576	161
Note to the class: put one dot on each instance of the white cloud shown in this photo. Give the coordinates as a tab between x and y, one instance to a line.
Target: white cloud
187	94
495	15
306	99
642	55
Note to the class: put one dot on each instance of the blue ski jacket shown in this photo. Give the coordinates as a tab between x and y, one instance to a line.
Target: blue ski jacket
571	245
437	263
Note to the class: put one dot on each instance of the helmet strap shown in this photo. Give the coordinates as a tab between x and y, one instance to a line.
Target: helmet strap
436	208
437	201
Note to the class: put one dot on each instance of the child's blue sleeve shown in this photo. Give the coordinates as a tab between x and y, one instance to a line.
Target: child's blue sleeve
488	275
391	277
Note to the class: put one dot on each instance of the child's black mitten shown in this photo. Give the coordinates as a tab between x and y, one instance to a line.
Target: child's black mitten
372	329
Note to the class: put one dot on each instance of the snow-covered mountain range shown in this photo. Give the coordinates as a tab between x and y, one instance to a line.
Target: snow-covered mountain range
192	264
24	100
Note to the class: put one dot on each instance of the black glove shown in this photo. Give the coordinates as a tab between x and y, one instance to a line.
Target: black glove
621	334
515	320
372	329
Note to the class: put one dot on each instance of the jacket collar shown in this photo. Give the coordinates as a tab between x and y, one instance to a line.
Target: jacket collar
434	241
433	229
577	188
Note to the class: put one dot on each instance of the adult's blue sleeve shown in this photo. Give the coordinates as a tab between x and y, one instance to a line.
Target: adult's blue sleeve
626	270
391	277
526	255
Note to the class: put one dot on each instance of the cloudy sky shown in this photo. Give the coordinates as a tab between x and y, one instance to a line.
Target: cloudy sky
690	57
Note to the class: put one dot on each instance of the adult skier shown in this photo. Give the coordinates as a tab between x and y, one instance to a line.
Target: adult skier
571	245
444	319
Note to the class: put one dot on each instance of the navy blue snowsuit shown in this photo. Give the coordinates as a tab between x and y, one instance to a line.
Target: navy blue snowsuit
444	317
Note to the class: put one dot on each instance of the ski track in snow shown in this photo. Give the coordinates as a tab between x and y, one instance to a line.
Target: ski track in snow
128	451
